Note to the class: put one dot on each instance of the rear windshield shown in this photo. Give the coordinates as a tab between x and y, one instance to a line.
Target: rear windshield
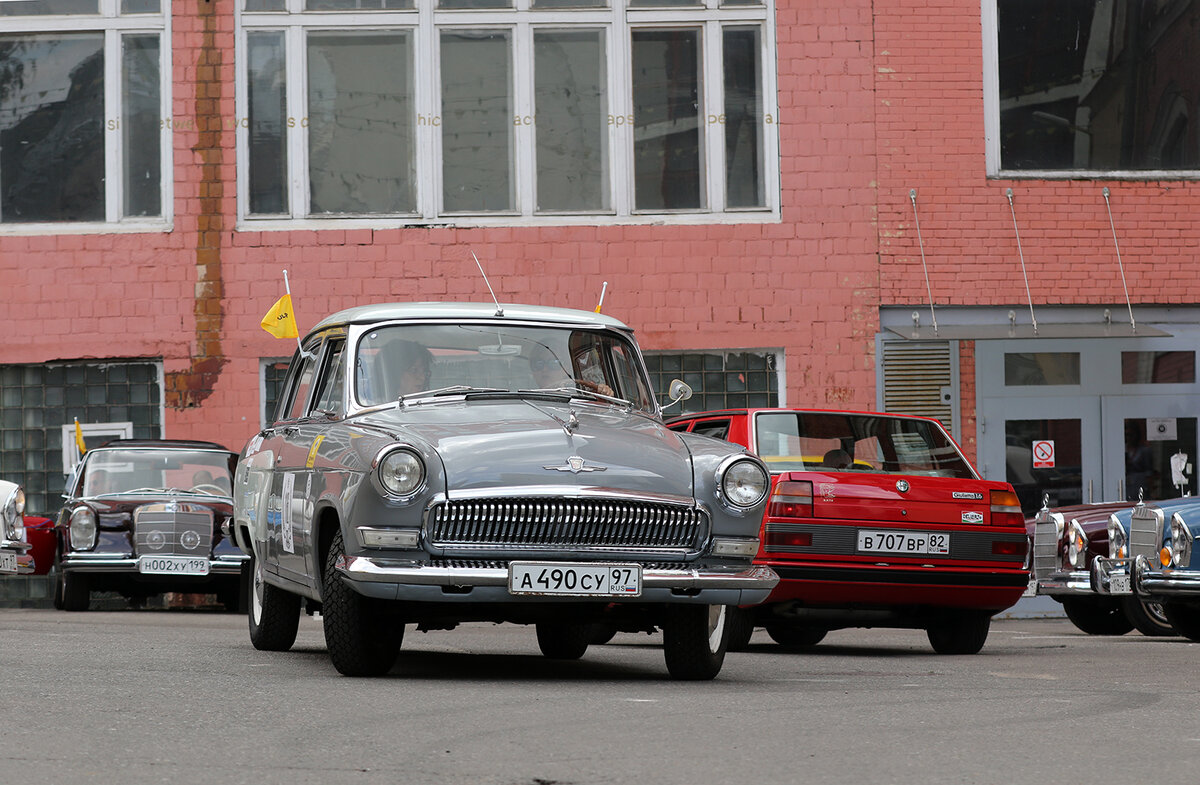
827	441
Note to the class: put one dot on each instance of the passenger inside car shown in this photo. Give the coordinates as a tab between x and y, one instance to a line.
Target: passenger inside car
837	458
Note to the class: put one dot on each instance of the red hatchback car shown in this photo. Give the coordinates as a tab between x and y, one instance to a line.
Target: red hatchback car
875	520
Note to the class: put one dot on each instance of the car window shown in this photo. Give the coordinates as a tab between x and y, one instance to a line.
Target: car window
829	441
681	427
631	384
301	382
333	380
718	429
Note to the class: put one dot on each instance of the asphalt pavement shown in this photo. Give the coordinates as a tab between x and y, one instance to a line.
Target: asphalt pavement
180	696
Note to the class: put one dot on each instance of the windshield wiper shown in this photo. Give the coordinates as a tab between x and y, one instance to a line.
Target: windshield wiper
575	392
454	389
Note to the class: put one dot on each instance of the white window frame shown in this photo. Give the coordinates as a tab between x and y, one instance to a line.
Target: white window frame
617	20
95	434
113	26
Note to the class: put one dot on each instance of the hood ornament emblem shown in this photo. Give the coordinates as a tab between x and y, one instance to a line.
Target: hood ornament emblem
575	465
902	486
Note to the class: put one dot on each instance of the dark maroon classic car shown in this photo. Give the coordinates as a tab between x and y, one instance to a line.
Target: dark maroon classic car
143	517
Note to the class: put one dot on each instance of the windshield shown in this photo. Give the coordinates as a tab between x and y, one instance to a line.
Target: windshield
122	471
827	441
407	359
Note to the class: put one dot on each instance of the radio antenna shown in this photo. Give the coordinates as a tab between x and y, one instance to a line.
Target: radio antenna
499	310
603	289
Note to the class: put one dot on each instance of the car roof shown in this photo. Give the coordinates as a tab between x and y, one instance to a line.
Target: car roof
792	410
383	312
174	444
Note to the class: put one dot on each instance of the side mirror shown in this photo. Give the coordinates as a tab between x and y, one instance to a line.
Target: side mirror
678	391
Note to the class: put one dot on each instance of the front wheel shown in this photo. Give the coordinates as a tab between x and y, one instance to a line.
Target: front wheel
564	641
1185	618
741	628
1147	617
963	635
695	638
72	591
794	636
1096	616
274	613
361	634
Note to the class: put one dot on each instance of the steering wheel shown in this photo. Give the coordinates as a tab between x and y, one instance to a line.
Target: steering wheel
210	488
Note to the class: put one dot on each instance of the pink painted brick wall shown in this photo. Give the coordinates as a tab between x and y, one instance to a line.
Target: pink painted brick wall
809	284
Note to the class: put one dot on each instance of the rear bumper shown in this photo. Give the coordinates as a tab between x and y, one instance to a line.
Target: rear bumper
832	586
396	580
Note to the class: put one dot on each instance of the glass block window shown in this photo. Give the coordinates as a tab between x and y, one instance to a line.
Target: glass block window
274	374
719	379
36	401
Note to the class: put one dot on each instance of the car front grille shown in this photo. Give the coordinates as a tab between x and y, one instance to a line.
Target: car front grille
173	530
1145	534
1045	547
532	523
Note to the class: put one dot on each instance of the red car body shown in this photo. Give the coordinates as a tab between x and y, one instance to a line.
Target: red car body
906	535
40	534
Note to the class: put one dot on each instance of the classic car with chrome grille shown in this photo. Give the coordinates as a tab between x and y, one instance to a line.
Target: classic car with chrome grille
1066	543
875	520
15	556
1151	559
438	463
145	516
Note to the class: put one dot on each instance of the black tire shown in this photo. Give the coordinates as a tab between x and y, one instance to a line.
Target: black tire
1185	618
235	595
361	633
741	628
695	638
1097	616
72	590
55	576
963	635
563	640
274	614
795	636
602	633
1147	617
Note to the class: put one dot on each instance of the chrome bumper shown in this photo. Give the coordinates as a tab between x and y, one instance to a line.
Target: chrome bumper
1102	568
1060	584
230	564
405	580
1171	583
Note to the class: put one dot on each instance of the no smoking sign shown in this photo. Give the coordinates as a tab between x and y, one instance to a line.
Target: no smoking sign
1043	454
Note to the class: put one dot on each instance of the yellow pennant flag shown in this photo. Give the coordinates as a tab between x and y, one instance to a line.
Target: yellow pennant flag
280	321
79	438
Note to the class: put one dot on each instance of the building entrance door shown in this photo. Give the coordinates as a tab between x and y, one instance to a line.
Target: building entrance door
1157	439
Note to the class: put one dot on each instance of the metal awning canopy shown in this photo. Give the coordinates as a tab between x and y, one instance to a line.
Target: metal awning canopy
998	332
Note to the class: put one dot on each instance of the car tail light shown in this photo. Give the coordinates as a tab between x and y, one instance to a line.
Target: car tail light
1010	547
783	540
791	499
1006	509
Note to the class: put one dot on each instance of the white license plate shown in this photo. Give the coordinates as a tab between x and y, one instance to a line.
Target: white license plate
8	561
1118	583
903	542
574	579
1031	588
172	565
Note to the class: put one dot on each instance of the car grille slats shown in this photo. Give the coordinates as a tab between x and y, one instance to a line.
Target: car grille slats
173	530
1045	548
532	523
1145	535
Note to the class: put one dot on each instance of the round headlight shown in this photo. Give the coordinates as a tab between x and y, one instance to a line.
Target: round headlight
1181	542
745	483
1116	539
83	529
1076	545
401	473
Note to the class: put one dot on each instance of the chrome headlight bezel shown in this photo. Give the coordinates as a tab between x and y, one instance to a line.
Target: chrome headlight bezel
13	514
400	473
1117	543
742	483
1076	545
83	529
1181	542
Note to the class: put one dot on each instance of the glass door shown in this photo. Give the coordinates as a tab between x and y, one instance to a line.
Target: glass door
1149	446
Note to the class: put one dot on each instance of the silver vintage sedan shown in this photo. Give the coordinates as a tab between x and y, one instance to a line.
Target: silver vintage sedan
438	463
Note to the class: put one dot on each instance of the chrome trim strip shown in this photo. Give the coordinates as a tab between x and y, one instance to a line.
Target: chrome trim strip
569	492
222	565
382	570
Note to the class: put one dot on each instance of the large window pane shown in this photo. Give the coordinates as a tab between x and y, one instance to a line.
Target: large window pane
52	128
139	6
571	116
1036	369
141	113
1095	85
476	121
743	118
48	7
1158	367
666	120
360	123
1031	477
358	5
267	85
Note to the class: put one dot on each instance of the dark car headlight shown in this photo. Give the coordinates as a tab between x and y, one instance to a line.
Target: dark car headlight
83	529
743	483
401	472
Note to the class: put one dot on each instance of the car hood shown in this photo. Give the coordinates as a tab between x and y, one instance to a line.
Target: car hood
524	443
